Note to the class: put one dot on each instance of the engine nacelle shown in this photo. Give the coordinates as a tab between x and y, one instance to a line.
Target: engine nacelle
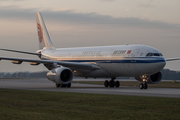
61	75
153	79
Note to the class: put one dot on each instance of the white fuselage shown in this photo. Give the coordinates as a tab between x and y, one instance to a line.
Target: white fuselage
114	61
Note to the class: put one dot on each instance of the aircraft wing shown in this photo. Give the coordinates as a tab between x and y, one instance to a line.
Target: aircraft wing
75	65
21	52
172	59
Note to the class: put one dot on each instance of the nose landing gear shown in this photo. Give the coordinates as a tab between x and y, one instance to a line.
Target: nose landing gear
144	84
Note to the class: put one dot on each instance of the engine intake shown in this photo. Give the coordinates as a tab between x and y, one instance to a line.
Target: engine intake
61	75
155	78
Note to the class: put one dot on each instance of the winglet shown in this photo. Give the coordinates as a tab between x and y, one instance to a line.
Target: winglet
43	36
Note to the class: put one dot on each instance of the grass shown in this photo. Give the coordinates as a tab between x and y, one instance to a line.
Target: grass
136	83
21	104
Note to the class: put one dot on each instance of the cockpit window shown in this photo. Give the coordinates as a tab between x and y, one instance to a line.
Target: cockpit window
149	54
153	54
156	54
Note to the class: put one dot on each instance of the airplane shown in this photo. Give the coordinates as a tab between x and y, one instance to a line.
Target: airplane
139	61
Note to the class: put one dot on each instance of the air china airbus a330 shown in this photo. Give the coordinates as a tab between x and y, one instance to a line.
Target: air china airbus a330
139	61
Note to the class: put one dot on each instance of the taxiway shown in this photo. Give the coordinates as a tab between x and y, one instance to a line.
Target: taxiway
46	85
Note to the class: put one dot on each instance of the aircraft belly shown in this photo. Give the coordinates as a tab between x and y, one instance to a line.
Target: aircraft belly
131	69
116	69
95	73
149	68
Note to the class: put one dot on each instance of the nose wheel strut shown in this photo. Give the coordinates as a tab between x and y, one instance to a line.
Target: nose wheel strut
144	84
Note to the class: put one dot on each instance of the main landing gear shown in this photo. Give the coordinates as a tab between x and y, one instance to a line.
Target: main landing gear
144	84
111	83
63	85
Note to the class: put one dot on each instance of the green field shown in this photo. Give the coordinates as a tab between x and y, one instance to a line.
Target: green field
37	105
136	83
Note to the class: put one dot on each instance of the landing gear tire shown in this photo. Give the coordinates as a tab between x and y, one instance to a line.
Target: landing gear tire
63	85
111	83
106	83
68	85
58	85
117	84
145	86
141	86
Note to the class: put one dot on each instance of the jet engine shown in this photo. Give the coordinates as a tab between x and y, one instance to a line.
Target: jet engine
153	79
60	75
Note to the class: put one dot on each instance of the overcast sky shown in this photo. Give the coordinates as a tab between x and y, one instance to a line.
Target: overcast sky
80	23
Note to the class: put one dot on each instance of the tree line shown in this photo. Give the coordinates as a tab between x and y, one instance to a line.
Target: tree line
167	74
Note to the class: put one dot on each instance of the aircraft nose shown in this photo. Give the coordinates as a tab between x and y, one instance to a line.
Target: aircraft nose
161	64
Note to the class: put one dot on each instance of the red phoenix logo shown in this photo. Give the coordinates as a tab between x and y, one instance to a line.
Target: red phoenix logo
40	32
129	52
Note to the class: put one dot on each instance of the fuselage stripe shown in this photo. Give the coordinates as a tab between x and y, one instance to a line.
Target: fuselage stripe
118	61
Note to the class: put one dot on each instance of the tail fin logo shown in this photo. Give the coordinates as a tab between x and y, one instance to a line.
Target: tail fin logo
40	32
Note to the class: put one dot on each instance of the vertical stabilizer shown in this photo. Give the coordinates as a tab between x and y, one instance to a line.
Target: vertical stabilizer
43	36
